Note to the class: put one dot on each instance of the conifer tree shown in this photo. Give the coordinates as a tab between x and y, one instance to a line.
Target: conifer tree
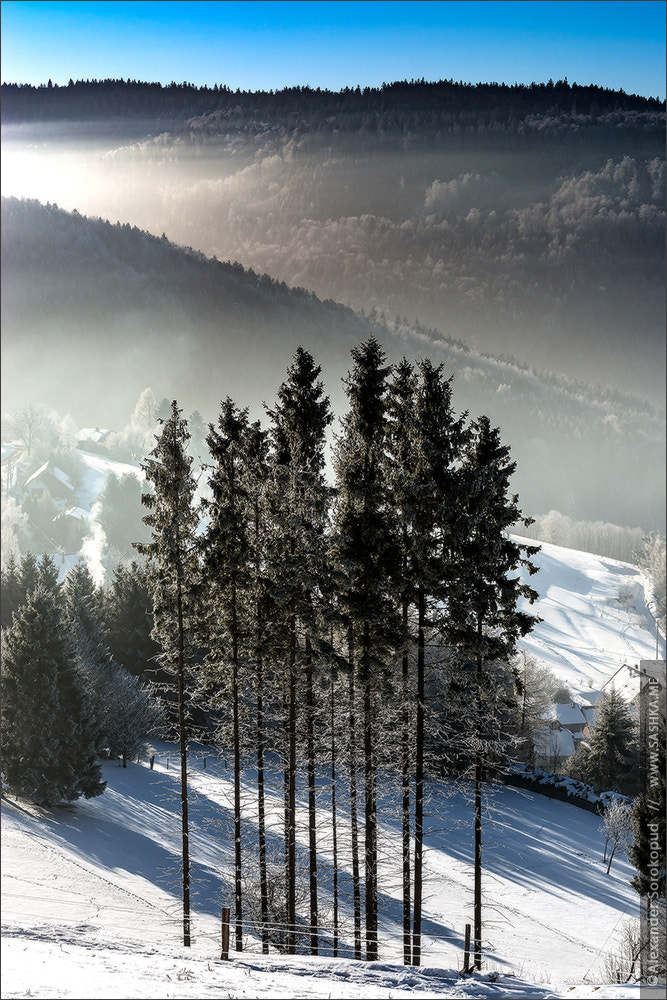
172	553
11	594
21	577
257	470
48	743
297	555
437	515
127	612
484	619
610	753
226	579
401	433
82	610
366	550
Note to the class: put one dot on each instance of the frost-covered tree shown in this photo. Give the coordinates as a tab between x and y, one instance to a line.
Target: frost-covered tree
536	686
297	554
173	521
48	742
608	758
367	553
226	584
137	712
617	829
485	619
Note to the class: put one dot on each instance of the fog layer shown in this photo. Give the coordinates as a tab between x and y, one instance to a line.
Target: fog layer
94	312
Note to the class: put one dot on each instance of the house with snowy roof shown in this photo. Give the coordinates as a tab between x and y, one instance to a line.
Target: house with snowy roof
552	745
88	436
50	481
570	717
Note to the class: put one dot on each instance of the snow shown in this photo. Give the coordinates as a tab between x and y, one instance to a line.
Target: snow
587	634
552	743
91	897
96	470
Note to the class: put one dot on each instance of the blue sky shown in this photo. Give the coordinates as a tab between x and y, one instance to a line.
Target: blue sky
268	45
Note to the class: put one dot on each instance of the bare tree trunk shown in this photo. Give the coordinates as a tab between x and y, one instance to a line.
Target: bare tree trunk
261	796
184	769
238	882
477	900
238	873
312	809
291	800
419	785
334	829
356	881
261	809
370	828
405	799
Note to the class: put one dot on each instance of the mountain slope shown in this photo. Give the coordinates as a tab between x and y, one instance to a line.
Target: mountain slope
92	313
525	220
595	620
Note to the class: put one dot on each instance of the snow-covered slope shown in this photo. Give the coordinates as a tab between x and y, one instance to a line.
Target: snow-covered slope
595	620
91	898
97	468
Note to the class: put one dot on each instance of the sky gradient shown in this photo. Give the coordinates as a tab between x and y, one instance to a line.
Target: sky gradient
268	45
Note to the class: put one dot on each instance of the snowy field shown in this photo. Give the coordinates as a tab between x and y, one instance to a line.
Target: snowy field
91	898
594	617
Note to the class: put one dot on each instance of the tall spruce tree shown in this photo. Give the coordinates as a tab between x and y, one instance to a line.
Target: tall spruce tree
401	439
172	553
48	742
366	550
226	579
434	514
297	557
484	617
257	471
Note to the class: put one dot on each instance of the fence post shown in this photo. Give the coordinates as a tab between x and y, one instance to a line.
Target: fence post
466	952
225	934
152	761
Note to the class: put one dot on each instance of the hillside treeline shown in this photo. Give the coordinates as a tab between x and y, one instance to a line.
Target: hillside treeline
91	312
488	102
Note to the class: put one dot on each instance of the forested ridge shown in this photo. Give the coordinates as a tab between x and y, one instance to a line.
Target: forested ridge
403	99
523	220
155	301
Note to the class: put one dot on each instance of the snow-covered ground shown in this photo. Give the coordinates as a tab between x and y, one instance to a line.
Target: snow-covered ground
91	897
595	620
97	468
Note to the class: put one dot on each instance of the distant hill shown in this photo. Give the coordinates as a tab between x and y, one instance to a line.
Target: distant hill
524	220
92	313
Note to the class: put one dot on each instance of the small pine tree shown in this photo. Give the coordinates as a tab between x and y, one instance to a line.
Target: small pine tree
608	758
48	743
128	620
